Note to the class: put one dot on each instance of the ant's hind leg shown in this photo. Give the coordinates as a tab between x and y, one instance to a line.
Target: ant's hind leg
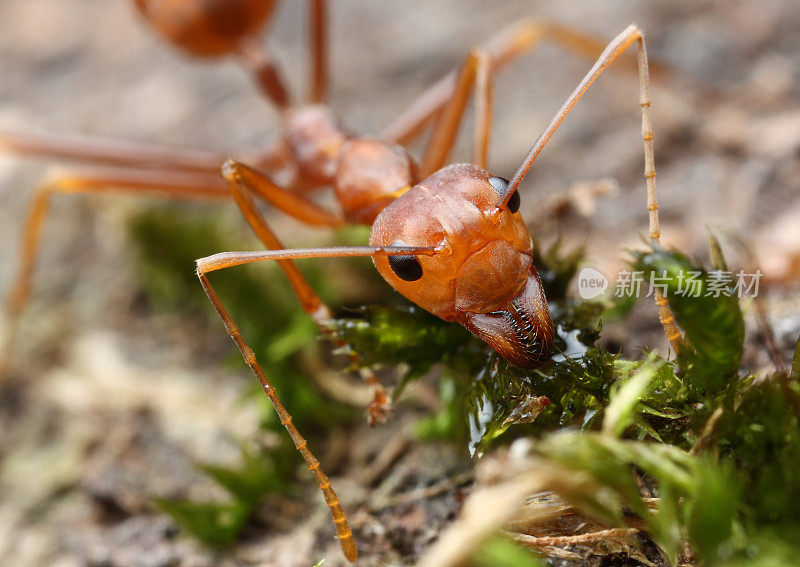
96	151
243	181
172	184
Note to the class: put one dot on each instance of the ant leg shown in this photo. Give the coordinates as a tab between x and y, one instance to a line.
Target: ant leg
440	145
503	49
230	259
242	180
287	201
108	152
178	185
319	51
614	49
262	65
483	112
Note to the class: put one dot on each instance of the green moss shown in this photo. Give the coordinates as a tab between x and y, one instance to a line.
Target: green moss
258	298
219	523
500	552
709	314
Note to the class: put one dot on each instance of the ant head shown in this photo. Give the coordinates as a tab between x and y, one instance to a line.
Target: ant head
207	28
482	274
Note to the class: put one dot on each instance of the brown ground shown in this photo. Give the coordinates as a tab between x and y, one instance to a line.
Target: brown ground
116	405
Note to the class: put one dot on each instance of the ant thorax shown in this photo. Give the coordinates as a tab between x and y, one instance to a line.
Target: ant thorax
372	174
314	140
366	173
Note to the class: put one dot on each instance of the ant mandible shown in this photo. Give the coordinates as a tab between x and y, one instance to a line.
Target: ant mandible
452	242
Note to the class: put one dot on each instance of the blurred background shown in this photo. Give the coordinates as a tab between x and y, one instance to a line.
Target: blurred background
115	396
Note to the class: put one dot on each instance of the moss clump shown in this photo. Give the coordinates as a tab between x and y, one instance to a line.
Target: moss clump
697	428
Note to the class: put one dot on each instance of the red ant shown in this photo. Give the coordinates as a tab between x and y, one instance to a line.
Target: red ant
448	238
453	242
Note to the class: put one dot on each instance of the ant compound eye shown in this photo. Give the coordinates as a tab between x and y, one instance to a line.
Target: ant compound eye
514	202
500	185
406	268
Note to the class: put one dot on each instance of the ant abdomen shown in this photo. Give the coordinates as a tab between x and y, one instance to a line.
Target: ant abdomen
207	28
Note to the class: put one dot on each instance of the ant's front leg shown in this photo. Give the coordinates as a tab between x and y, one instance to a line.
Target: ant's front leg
245	181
